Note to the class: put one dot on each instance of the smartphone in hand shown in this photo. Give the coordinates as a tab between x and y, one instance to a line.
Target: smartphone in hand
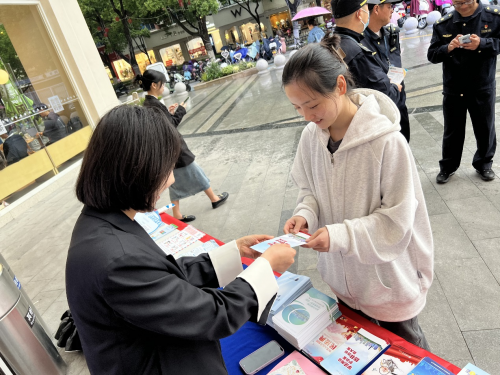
185	101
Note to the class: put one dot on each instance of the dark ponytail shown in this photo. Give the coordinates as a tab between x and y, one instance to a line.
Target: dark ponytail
148	78
318	66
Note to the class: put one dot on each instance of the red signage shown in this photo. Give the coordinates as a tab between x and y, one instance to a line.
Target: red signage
199	49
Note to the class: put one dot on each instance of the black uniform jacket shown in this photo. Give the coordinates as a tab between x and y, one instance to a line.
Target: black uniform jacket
367	70
464	70
186	157
139	311
387	45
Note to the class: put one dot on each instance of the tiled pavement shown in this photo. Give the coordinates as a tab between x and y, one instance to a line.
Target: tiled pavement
461	319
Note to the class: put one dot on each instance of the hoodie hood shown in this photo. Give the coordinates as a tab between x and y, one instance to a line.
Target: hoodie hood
377	116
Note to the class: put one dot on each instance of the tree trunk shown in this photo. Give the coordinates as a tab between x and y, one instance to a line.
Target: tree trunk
205	37
133	61
106	61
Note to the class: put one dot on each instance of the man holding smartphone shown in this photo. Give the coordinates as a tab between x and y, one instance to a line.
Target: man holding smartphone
467	42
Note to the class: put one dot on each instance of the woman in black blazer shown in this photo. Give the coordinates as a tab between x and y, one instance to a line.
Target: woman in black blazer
190	178
137	310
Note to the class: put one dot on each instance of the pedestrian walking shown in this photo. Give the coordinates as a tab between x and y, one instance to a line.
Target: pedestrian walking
382	37
352	18
360	194
469	85
189	176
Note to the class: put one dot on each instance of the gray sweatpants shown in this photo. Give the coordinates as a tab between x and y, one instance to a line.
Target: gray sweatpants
409	329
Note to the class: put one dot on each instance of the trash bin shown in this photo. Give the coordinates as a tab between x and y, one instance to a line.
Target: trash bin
23	293
25	347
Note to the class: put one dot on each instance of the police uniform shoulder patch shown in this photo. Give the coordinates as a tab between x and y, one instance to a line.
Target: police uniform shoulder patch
392	28
445	18
493	9
365	49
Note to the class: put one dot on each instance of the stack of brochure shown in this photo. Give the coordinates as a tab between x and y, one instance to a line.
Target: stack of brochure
291	286
302	320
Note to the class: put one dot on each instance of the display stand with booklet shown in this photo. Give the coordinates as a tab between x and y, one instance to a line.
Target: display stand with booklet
427	366
304	318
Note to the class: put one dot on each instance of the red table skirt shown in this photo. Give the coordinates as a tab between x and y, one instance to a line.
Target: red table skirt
390	337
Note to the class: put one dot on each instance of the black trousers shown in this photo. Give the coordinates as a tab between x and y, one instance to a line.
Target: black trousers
409	329
481	107
405	122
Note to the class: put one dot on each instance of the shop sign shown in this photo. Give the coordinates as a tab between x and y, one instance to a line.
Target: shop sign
236	12
174	33
199	49
169	62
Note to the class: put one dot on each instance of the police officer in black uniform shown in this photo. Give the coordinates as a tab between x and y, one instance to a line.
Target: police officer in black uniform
352	18
468	82
383	38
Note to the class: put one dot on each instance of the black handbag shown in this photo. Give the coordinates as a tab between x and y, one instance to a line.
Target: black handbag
67	335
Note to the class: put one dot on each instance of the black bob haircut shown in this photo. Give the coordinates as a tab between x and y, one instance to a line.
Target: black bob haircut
149	77
317	66
129	158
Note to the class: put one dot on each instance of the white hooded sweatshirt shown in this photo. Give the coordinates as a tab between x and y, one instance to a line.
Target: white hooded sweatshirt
369	197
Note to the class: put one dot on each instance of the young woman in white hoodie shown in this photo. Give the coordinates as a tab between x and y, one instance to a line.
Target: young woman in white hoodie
360	195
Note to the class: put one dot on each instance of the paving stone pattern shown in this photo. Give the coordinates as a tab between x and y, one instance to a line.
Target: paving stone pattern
461	319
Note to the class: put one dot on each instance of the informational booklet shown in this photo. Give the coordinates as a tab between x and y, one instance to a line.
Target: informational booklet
204	248
355	354
470	369
429	367
150	221
304	311
331	338
293	240
171	245
291	368
395	361
396	75
305	365
162	231
289	283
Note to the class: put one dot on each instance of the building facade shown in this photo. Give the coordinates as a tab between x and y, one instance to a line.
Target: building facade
53	90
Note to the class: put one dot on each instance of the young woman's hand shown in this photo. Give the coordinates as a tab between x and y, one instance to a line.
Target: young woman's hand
244	244
280	257
295	225
172	108
319	241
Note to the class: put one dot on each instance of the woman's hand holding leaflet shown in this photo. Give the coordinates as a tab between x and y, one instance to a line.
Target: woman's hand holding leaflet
319	241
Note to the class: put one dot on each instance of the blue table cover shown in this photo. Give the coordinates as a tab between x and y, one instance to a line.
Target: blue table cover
248	339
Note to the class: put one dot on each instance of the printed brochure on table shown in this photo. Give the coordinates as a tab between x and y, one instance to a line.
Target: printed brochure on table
355	354
331	338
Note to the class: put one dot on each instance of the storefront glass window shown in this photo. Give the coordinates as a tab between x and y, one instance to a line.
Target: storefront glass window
42	124
196	48
123	70
250	32
143	61
172	55
281	21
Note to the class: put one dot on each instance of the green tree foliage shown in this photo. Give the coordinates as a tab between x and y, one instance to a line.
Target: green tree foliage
9	56
118	25
190	15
